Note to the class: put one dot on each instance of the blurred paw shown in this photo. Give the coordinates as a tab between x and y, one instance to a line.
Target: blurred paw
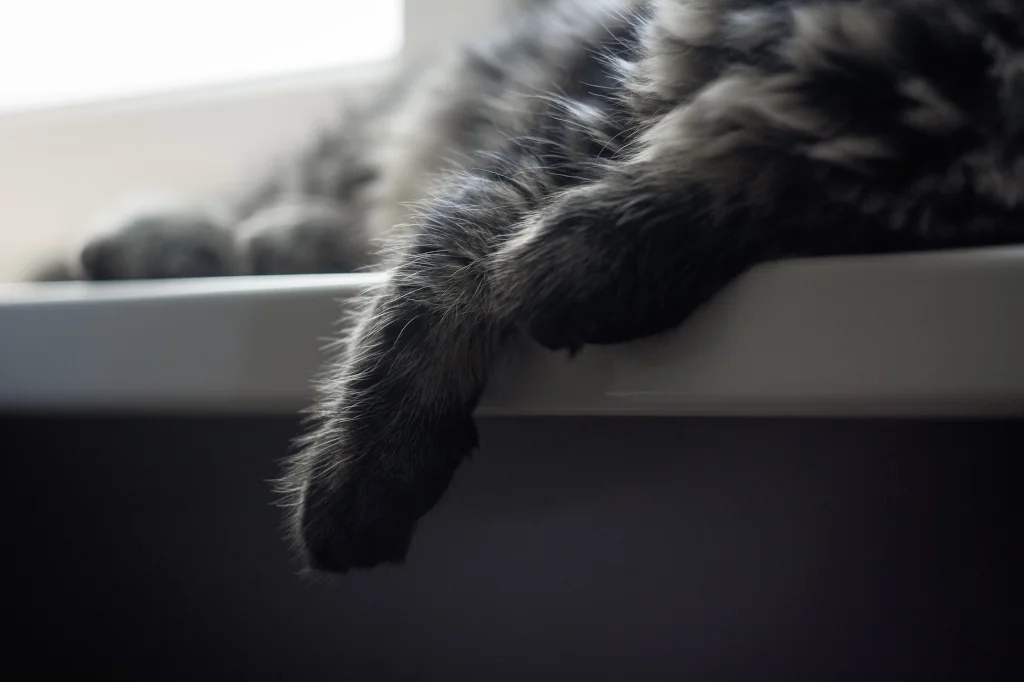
306	236
164	242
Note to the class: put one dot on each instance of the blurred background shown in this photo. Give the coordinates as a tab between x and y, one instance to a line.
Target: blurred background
105	100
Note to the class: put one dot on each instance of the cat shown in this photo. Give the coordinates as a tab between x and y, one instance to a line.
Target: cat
680	143
615	165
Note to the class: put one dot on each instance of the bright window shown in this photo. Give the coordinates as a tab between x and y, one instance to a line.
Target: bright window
56	52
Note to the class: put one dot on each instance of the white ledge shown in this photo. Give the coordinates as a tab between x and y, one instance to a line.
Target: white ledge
927	335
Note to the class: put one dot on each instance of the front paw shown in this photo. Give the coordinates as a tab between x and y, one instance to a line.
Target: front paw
353	520
361	491
577	278
160	242
615	261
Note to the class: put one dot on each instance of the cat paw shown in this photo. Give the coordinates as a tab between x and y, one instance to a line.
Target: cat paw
161	243
573	281
359	521
358	503
307	236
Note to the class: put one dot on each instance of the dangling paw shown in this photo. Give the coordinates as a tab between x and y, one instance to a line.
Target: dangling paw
360	490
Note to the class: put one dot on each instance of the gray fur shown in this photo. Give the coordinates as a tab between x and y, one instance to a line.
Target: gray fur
611	167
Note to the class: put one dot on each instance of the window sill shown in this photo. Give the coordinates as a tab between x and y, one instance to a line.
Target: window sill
923	335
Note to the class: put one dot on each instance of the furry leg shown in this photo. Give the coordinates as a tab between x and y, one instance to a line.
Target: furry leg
395	418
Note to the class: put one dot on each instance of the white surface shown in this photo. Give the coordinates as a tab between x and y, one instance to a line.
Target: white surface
125	48
919	335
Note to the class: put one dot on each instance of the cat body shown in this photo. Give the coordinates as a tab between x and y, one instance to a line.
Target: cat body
600	170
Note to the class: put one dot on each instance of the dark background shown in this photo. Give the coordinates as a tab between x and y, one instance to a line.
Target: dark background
568	549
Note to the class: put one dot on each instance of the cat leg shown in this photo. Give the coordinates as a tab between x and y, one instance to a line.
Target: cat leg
395	416
394	419
635	252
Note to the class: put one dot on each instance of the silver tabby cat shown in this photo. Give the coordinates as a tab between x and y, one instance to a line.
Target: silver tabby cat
616	164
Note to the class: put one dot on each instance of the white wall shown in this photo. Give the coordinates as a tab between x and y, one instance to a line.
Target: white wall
60	169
